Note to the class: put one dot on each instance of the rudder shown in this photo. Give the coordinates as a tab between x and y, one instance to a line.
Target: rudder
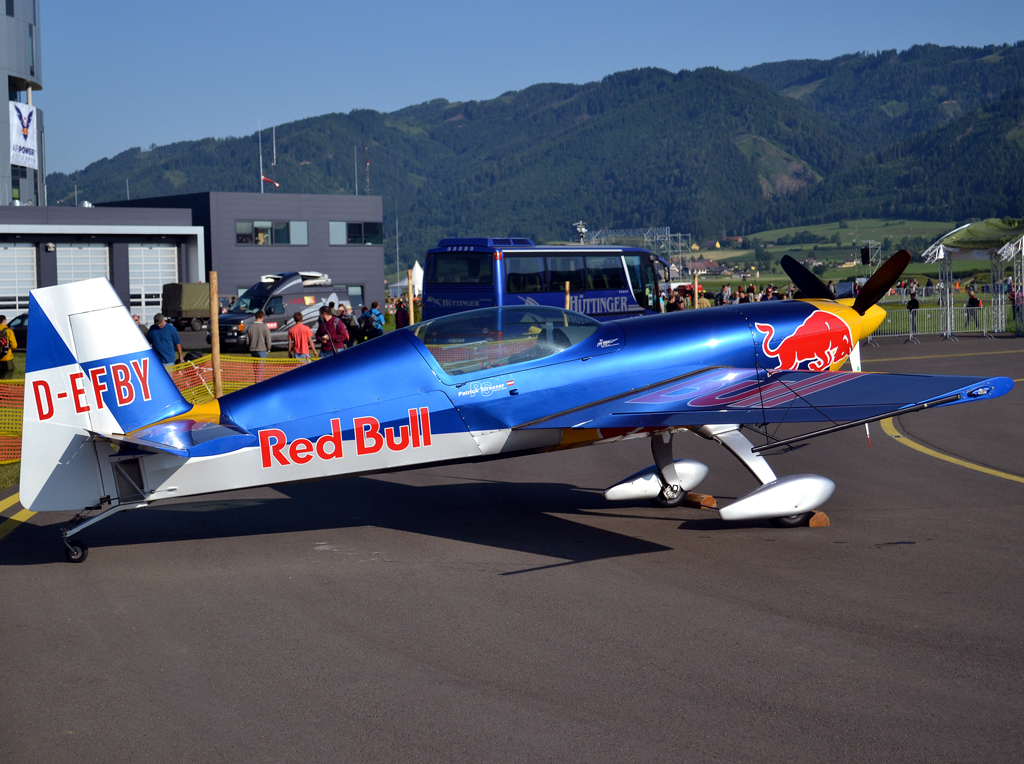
88	370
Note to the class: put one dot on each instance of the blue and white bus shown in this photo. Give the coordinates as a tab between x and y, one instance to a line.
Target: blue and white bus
604	282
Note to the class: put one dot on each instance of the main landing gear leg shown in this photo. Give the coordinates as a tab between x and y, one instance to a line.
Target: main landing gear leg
672	494
730	436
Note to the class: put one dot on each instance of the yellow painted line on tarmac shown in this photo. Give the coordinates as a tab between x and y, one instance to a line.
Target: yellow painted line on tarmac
10	501
950	355
13	523
890	429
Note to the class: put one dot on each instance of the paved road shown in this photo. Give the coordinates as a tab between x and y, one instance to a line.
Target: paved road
505	612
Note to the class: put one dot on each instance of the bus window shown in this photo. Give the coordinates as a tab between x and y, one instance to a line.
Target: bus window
651	291
605	272
566	269
636	281
460	268
525	274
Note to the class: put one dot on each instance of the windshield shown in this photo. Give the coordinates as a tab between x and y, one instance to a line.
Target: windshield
460	268
495	337
248	303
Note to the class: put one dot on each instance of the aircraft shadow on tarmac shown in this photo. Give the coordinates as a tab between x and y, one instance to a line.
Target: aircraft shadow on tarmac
519	517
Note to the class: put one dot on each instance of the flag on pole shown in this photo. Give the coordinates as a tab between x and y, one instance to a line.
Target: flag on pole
268	180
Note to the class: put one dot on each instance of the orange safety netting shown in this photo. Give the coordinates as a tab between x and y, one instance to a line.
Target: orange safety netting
194	379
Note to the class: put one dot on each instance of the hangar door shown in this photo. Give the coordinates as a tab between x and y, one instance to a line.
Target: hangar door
17	277
78	262
150	266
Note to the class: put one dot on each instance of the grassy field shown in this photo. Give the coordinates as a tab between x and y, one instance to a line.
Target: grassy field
876	229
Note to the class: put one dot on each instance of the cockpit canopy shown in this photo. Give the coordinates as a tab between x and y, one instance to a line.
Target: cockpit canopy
494	337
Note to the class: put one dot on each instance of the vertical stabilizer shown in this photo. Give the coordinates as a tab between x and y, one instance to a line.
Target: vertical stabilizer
88	370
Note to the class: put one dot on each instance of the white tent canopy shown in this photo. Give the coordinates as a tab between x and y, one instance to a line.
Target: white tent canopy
400	288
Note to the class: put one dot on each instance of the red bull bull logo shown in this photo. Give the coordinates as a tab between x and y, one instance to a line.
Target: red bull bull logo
820	341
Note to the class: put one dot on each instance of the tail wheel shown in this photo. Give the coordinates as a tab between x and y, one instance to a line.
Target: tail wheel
76	552
793	521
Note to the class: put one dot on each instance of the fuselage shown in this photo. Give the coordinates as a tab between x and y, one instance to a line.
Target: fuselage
389	403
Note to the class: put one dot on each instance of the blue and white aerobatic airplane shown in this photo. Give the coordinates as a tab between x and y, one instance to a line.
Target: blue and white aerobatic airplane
106	430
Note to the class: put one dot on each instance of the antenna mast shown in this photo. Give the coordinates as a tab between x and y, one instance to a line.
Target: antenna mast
259	130
366	150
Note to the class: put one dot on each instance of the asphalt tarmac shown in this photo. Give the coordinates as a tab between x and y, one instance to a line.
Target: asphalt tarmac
505	612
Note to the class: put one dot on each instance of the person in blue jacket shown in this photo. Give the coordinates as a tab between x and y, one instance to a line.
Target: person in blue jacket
165	341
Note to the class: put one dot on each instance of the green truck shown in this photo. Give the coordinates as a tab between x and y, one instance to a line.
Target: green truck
187	305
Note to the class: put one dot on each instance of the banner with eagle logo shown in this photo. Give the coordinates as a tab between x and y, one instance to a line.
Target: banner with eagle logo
24	149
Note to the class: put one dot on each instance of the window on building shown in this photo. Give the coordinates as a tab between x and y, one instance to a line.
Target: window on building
372	233
17	277
266	232
355	233
281	233
243	232
355	296
10	8
261	232
31	51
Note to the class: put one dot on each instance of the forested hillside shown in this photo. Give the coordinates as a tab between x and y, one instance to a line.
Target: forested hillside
933	133
888	96
972	167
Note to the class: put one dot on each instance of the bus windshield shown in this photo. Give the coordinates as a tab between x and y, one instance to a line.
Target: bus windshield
460	268
494	337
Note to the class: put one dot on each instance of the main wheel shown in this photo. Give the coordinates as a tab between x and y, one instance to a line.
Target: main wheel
793	521
197	324
76	552
670	496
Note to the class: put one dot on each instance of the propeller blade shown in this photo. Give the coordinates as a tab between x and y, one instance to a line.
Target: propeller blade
882	281
810	286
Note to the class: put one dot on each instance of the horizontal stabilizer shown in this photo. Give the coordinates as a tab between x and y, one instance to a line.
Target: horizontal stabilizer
186	438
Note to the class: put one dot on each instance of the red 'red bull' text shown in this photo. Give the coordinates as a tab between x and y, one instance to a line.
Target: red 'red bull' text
370	438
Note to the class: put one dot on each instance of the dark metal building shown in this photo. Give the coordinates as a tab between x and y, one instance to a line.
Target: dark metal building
250	235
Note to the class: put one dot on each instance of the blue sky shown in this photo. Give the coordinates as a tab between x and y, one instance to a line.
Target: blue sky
118	74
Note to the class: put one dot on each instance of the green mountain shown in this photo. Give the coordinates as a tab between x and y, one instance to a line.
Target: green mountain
695	150
889	96
972	167
928	133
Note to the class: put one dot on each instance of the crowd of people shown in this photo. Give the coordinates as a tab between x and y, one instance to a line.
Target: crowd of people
681	297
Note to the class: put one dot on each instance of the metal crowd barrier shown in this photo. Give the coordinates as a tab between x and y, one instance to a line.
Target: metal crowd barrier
962	320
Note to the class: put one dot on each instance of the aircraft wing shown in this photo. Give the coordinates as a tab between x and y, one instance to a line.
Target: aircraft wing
724	395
